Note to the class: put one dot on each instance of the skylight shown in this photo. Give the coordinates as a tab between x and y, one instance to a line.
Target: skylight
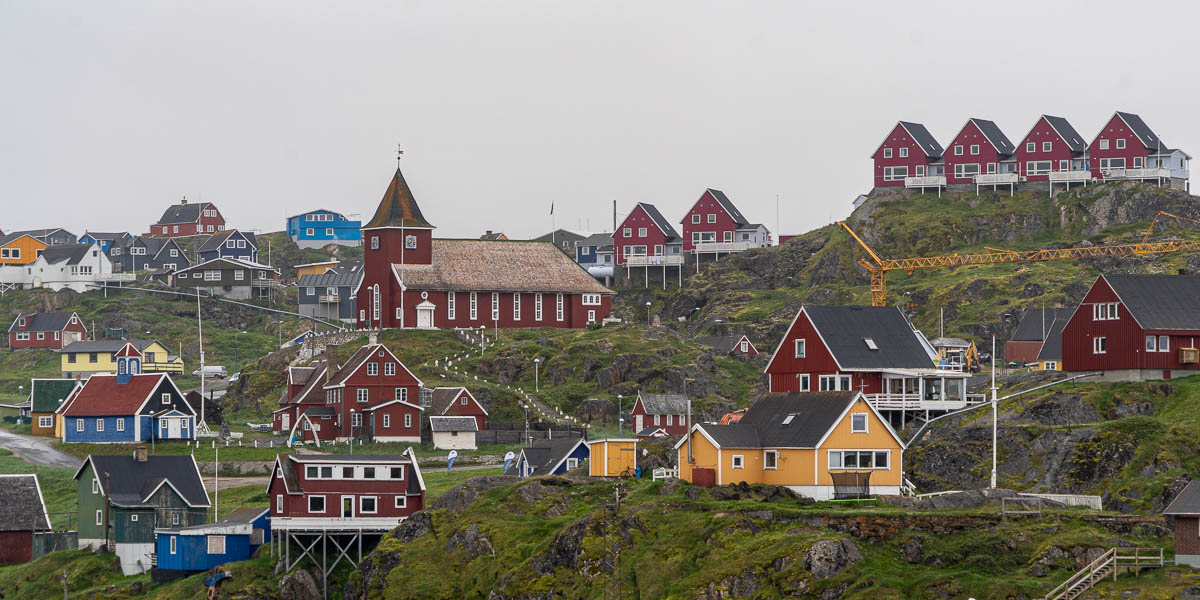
871	343
788	419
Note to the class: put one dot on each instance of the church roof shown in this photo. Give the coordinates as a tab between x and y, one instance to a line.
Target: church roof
398	208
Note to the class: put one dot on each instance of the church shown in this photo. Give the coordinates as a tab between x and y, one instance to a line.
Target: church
411	280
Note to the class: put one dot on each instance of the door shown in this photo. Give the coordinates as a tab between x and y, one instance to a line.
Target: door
425	318
637	419
173	428
347	507
287	422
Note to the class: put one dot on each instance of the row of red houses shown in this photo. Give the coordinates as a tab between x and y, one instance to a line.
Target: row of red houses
981	154
713	224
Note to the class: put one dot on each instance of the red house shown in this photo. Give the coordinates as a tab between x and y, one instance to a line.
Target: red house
1136	327
980	148
412	280
23	516
458	402
374	396
302	408
344	492
714	219
660	414
1052	146
908	151
1126	148
186	219
870	349
52	330
645	233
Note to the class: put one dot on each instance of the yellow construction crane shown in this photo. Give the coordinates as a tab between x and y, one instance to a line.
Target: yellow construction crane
879	267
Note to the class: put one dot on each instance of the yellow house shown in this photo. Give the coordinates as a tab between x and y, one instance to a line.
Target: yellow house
86	358
612	457
317	268
20	249
824	445
1049	358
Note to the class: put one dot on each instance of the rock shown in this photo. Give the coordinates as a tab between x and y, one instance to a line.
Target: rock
463	494
834	592
548	490
827	558
744	585
471	541
415	526
135	588
299	585
913	550
1190	593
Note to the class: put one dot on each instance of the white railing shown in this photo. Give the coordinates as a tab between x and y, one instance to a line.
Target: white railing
911	402
665	473
1150	173
925	181
1070	176
997	178
723	246
653	261
329	298
1092	502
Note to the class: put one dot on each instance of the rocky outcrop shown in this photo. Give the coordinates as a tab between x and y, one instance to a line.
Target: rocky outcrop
299	585
758	493
471	541
827	558
463	494
567	551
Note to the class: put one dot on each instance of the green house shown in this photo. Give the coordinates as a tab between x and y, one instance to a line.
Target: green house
122	499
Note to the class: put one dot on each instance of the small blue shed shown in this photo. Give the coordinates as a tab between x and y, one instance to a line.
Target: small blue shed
181	551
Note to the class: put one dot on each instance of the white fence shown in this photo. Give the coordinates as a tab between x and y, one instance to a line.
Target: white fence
1092	502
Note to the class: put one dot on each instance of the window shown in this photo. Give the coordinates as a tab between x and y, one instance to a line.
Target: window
800	348
1046	146
368	472
738	461
389	369
1064	165
41	335
627	232
895	173
495	306
974	149
401	501
212	275
1105	311
49	422
1037	167
363	395
671	418
162	426
1103	144
1151	343
696	217
1099	345
216	544
79	425
887	153
166	398
1050	365
374	242
804	382
279	503
474	307
641	232
396	472
537	307
99	517
1031	146
1112	163
372	369
174	518
173	541
558	310
408	421
904	153
858	423
401	394
1120	143
316	504
770	459
658	250
93	357
120	424
100	424
966	170
241	243
57	334
591	316
712	217
450	305
572	464
834	383
175	228
233	243
71	357
1164	343
368	504
387	421
516	300
355	419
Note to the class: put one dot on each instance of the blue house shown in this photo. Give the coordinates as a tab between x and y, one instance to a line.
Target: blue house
551	457
322	227
231	243
181	551
127	407
104	240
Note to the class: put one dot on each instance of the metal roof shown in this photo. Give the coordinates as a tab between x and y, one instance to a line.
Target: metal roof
992	132
662	223
182	213
215	240
333	278
1052	347
1064	129
1141	130
545	455
784	420
929	145
846	329
441	424
129	481
1187	502
72	253
1032	325
727	204
45	321
1160	302
22	507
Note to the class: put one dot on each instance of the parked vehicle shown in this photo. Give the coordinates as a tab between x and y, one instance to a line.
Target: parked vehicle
217	371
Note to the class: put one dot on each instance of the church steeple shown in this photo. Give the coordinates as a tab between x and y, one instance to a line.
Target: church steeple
398	208
129	363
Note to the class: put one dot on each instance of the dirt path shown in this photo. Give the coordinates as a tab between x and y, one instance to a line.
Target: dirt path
232	482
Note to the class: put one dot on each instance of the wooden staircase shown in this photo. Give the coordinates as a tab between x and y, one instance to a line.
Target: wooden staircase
1109	563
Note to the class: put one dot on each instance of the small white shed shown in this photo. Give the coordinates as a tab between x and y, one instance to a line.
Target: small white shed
453	433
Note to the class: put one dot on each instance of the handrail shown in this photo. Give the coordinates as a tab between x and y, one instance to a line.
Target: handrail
1084	573
1097	569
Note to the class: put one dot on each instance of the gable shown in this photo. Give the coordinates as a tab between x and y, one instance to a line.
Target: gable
815	348
879	435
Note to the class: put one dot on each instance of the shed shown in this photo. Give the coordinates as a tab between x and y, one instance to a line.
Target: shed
612	457
1185	510
22	512
554	456
453	433
180	551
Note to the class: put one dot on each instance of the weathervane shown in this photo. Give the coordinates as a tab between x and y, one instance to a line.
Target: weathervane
399	155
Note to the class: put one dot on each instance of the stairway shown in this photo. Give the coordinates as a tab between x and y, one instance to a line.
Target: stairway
1109	563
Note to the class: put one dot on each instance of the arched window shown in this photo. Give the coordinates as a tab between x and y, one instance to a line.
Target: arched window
375	302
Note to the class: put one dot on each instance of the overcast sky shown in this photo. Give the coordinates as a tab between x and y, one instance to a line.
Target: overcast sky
110	111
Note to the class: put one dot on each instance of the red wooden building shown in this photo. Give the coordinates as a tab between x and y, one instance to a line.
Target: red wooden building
870	349
457	402
302	408
908	151
713	219
645	233
660	414
1136	327
980	148
344	492
52	330
186	219
22	512
411	280
1052	145
1126	148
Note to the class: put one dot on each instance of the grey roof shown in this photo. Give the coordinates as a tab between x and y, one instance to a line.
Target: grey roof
72	253
996	137
8	237
924	139
1074	141
1030	327
21	505
245	514
443	397
662	223
845	330
1160	301
105	345
664	404
41	233
544	455
440	424
1141	129
46	321
321	411
596	240
649	431
333	278
99	235
129	481
215	240
1052	347
725	203
181	213
812	414
721	343
352	458
1187	502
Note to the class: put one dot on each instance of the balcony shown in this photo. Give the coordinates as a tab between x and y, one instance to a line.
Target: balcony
329	298
997	179
654	261
1069	176
927	181
1148	173
898	401
723	247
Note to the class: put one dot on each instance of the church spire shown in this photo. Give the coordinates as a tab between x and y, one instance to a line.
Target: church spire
398	208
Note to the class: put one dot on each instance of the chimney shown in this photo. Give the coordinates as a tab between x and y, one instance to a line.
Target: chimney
331	363
372	338
184	201
139	454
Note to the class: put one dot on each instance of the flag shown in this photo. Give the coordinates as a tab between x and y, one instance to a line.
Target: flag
450	460
551	207
508	458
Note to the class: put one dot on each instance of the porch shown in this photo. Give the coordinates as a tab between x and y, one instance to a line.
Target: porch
1157	174
996	180
924	389
663	262
722	247
937	182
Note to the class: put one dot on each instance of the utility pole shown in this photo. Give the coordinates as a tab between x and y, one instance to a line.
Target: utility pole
994	416
107	508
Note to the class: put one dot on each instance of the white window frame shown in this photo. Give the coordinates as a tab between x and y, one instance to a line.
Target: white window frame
279	503
387	421
1050	365
737	461
100	424
801	348
712	217
805	382
1120	143
401	501
775	462
173	542
495	306
450	305
516	300
44	421
372	369
1103	144
1031	146
401	394
895	173
966	170
854	423
362	395
120	423
887	152
974	149
1100	345
641	232
1047	146
79	425
324	505
592	299
166	398
362	505
408	420
1152	343
1164	343
537	307
99	517
836	459
389	369
474	312
627	232
903	152
696	219
559	313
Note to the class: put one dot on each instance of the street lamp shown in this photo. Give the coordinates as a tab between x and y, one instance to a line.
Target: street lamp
536	361
647	313
526	409
482	337
620	419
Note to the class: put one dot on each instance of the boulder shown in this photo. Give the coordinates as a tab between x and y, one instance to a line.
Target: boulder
415	526
827	558
913	550
299	585
463	494
471	541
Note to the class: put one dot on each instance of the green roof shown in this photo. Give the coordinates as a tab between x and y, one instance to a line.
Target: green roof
47	393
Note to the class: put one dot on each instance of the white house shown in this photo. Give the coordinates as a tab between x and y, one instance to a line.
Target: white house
79	267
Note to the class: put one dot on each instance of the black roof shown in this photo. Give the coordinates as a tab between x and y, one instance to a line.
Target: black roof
46	321
445	424
846	329
130	481
1187	502
672	235
767	424
215	240
1141	129
1067	132
21	504
99	235
182	213
8	237
1030	327
997	138
924	139
597	240
544	455
1160	301
725	203
1052	347
720	343
72	253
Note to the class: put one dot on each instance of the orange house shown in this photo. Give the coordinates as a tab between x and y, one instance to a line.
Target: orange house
19	249
612	457
824	445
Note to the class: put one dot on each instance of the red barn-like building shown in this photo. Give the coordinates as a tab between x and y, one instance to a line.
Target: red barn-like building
411	280
660	414
22	513
457	402
52	330
908	151
645	233
980	148
1136	327
1126	148
344	492
714	219
1052	145
184	219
